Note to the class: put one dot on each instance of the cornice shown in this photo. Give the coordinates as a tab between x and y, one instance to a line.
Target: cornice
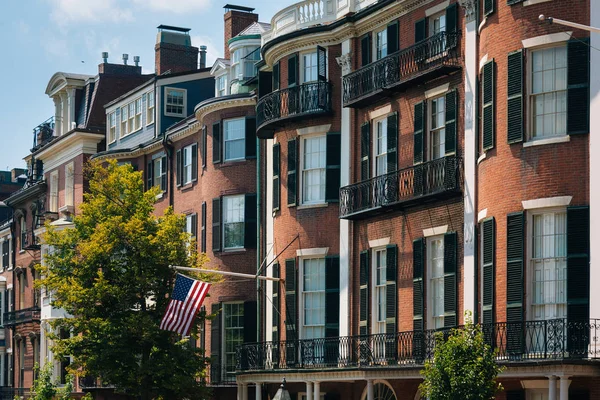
227	102
128	153
185	132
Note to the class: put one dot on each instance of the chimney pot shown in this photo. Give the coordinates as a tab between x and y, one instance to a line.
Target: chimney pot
202	57
136	60
105	56
125	58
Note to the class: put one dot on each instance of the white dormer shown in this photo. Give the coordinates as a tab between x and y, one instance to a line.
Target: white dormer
62	88
220	71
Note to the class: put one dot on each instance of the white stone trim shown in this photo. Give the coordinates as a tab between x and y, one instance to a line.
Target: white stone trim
379	242
481	215
547	39
311	205
438	230
558	201
481	158
221	104
314	252
380	112
532	2
554	140
535	384
313	129
436	91
436	9
482	62
64	150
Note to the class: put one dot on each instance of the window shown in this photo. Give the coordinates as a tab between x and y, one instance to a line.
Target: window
124	118
191	221
5	256
234	334
437	23
158	172
313	169
233	222
549	266
250	59
310	71
175	104
150	107
380	279
53	200
381	148
313	298
234	135
537	394
22	286
69	184
235	63
131	120
138	114
187	163
548	99
437	128
435	263
112	123
221	83
381	44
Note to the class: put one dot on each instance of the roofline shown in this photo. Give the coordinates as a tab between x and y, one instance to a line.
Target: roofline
135	89
243	37
222	98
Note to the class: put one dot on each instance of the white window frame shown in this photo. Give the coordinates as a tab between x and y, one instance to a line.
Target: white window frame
184	107
220	92
378	325
150	107
112	124
382	121
53	200
303	326
226	141
236	63
376	45
124	117
303	66
189	220
131	120
187	166
245	61
431	23
430	277
157	172
243	221
224	336
529	104
138	114
23	232
431	129
69	184
321	136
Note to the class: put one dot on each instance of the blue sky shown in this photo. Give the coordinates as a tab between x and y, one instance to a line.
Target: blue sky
41	37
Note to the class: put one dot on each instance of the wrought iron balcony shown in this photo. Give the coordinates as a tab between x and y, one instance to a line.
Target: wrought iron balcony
23	316
30	241
43	134
402	188
432	57
221	375
521	341
291	103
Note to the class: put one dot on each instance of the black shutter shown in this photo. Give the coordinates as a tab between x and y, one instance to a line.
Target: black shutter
578	86
216	133
265	83
452	21
419	128
202	333
451	121
149	175
250	322
251	137
292	161
365	151
488	84
363	324
276	178
514	269
163	173
216	219
515	395
179	162
488	270
203	229
204	144
194	231
332	171
5	254
392	142
332	296
250	221
391	289
275	297
515	97
418	275
420	30
488	7
511	2
291	309
392	37
365	50
194	162
321	64
276	76
450	281
215	343
292	70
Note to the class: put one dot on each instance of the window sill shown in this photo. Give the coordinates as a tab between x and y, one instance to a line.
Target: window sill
232	252
174	115
309	206
481	158
234	163
149	123
554	140
532	2
159	196
187	186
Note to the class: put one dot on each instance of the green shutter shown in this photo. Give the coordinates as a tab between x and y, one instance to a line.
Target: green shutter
451	121
488	86
363	314
420	30
250	321
391	289
488	273
332	171
149	175
250	137
450	281
578	86
292	161
365	151
179	162
488	7
515	247
204	144
215	342
418	274
515	97
291	319
216	133
392	142
332	296
250	221
275	297
203	228
321	64
578	263
452	20
265	83
276	176
419	127
392	37
276	76
163	173
365	50
292	70
216	224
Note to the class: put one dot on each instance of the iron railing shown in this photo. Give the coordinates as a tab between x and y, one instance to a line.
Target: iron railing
521	341
401	186
296	101
90	382
221	375
402	66
30	240
23	316
43	133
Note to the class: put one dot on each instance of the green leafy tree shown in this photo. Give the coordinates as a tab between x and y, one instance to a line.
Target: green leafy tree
45	388
111	273
463	367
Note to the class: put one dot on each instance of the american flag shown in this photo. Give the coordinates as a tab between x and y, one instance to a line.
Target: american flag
185	302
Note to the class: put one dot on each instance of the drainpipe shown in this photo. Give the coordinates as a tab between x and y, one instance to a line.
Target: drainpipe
258	242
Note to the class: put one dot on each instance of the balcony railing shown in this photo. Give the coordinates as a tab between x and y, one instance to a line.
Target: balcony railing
520	341
401	187
43	133
221	375
30	240
89	383
23	316
436	54
293	102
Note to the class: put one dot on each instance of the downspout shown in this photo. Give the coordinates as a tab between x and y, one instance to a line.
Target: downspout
258	241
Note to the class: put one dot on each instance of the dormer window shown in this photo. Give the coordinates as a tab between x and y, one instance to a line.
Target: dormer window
242	62
221	83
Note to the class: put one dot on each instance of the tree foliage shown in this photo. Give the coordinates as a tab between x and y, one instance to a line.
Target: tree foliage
111	273
463	367
46	388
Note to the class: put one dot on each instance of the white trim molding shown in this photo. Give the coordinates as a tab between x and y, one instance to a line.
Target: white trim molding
438	230
380	112
532	2
558	201
379	242
437	91
482	62
313	129
551	140
482	215
547	39
436	9
314	252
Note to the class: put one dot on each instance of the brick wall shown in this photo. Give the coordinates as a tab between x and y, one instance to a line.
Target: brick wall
175	57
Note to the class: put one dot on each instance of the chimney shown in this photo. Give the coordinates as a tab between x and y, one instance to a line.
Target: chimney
174	51
107	68
202	57
237	18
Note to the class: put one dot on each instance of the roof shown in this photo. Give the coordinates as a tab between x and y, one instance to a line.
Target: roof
173	28
256	28
238	8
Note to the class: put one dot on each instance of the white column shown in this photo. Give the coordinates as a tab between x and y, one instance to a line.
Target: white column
239	391
57	115
552	387
269	221
470	152
564	387
2	369
317	391
309	390
71	109
594	139
370	393
244	391
63	113
258	391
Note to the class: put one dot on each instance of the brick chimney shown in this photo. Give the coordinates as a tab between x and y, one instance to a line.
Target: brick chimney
174	51
107	68
237	18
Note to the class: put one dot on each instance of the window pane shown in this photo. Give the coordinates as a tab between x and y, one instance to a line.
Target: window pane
234	133
233	221
313	174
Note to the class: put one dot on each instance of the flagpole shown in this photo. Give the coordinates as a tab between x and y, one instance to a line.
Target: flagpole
238	274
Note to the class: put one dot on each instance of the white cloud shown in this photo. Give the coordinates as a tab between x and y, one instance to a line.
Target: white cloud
212	51
54	46
175	6
68	11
